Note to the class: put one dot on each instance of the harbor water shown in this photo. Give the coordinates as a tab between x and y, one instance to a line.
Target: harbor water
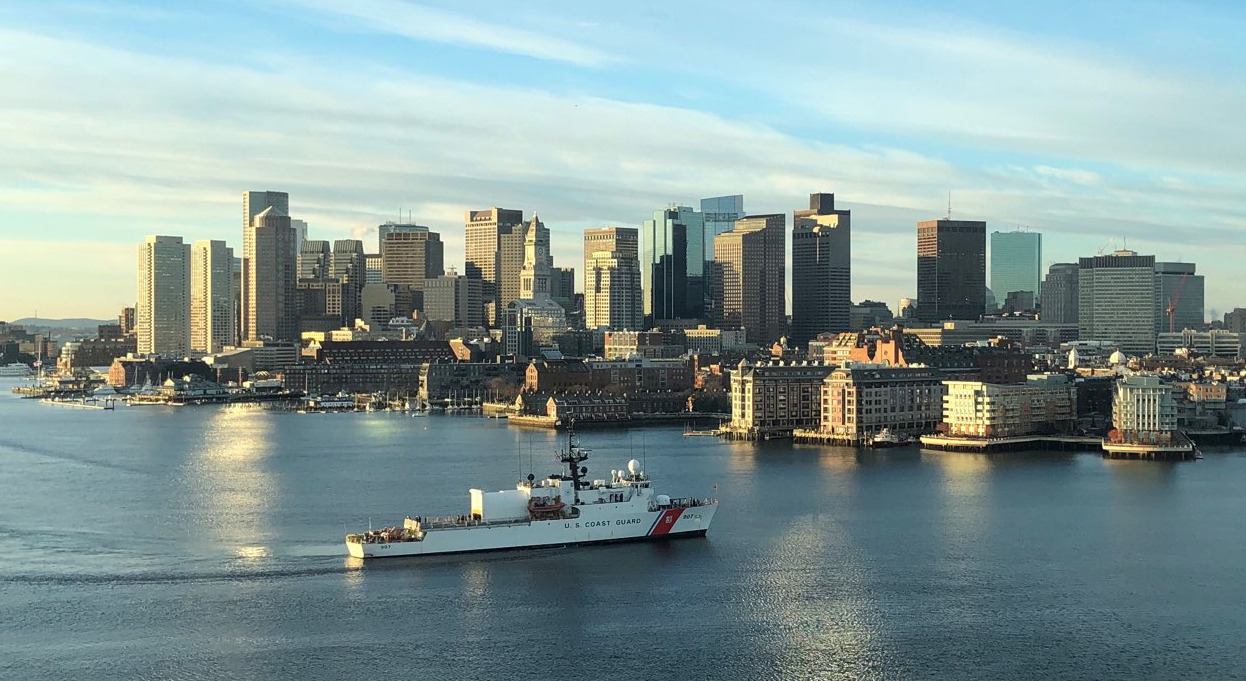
206	543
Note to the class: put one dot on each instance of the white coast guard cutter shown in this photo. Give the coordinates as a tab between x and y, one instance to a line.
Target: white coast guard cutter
561	510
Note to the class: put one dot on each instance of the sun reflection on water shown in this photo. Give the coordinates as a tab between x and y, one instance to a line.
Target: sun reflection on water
230	482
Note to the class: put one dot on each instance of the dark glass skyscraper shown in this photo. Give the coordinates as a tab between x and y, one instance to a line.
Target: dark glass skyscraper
672	264
821	269
951	269
1058	300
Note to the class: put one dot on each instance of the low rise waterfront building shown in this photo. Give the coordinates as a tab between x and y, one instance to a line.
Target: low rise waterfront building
1044	404
137	370
268	355
443	380
621	376
587	408
94	352
775	399
996	361
1201	405
642	373
558	376
859	401
651	344
329	379
383	351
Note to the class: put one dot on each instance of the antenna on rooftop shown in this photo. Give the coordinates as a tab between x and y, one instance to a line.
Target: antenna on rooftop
949	204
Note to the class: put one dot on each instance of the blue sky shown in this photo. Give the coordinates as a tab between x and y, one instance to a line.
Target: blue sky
1087	123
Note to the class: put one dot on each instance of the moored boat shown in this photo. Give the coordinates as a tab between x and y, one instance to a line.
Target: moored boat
15	370
884	438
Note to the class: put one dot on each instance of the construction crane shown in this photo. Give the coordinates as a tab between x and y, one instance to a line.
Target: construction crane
1172	302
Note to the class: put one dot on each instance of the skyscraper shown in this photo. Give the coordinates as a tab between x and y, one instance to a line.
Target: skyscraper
349	266
673	264
748	278
951	269
493	242
821	269
300	234
1177	285
1016	262
719	214
314	259
162	316
270	289
254	203
534	317
373	264
212	321
1117	300
410	257
1059	295
562	286
390	227
612	286
453	298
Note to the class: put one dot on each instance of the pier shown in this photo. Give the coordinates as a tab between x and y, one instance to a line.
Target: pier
1015	443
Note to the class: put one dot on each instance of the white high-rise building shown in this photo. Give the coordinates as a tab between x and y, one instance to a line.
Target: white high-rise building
612	281
1118	301
212	321
162	316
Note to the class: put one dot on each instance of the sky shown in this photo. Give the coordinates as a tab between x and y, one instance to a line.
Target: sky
1097	124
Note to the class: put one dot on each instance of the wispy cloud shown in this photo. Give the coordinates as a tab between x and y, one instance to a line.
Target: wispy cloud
419	22
110	140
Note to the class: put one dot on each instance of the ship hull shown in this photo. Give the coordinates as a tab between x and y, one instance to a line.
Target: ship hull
588	529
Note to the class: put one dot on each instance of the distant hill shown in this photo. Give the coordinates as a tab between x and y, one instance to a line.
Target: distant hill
76	323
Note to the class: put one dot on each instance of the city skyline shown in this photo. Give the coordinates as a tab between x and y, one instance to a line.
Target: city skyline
1068	166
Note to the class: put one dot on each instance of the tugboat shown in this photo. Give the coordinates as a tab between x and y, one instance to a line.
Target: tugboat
561	510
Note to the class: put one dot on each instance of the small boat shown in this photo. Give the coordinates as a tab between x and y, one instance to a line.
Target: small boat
884	438
545	505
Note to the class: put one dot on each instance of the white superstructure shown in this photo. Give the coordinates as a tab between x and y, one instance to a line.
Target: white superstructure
16	369
561	510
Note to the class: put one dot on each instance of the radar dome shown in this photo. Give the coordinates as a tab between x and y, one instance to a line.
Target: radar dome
633	466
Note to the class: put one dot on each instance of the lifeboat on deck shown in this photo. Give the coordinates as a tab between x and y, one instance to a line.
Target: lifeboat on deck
541	505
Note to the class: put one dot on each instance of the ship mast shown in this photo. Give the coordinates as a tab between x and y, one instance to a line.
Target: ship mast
573	457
